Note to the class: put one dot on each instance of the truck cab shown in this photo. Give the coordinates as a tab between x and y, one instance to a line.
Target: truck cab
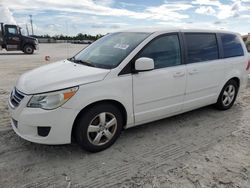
12	39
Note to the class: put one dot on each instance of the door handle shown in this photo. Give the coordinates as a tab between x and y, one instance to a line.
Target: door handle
179	74
194	71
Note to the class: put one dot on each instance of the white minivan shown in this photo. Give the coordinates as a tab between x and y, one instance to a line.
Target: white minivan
126	79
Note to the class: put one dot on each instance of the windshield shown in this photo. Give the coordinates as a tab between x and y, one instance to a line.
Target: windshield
109	51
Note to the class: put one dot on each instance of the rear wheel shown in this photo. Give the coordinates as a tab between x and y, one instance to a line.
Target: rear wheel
28	49
228	95
99	127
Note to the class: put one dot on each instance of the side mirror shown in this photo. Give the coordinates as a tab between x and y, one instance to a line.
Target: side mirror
144	64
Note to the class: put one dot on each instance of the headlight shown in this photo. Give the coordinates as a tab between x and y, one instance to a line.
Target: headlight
51	100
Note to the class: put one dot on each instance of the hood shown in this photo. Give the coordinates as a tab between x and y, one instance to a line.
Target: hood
59	75
29	38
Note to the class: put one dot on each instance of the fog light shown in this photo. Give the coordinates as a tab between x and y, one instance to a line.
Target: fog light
43	131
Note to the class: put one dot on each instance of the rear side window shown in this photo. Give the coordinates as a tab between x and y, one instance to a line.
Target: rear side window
201	47
164	50
231	45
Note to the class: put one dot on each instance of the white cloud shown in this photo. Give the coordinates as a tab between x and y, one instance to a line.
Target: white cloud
245	16
221	11
168	12
207	10
6	16
163	12
104	2
207	2
192	25
227	11
124	4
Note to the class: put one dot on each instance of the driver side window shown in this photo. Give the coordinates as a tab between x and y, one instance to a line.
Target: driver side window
164	50
12	30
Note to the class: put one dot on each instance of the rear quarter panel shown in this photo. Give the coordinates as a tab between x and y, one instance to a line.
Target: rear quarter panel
236	67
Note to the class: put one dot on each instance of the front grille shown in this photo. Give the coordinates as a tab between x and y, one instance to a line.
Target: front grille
16	97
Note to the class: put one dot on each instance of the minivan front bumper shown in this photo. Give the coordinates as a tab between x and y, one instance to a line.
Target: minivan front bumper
30	123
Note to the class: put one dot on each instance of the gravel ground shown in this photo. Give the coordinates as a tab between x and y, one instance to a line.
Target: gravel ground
202	148
13	64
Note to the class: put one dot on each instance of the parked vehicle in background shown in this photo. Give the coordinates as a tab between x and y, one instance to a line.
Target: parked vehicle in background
12	39
246	39
248	46
82	42
126	79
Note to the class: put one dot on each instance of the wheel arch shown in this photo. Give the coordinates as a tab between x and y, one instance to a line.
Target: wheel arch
116	103
237	80
218	103
28	43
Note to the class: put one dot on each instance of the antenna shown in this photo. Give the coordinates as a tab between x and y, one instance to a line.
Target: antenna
31	23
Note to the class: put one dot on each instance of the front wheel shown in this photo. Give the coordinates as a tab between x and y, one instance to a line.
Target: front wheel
99	127
28	49
227	96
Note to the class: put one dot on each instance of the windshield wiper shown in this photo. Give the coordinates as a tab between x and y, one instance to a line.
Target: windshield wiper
81	62
84	63
71	59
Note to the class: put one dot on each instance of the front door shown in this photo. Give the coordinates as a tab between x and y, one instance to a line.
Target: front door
159	93
13	39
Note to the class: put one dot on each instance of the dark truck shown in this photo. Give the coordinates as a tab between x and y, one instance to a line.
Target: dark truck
12	39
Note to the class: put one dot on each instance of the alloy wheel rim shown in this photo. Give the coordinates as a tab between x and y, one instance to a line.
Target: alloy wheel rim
102	128
228	95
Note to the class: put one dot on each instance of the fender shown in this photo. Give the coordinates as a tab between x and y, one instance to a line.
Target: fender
27	43
107	89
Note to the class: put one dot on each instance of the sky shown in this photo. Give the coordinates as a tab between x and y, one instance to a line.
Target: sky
70	17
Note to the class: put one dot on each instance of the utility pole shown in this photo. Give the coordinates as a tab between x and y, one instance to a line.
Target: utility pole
31	23
27	29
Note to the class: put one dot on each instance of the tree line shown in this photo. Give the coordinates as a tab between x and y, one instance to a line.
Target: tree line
79	36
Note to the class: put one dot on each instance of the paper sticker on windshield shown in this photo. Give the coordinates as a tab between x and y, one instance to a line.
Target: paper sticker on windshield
121	46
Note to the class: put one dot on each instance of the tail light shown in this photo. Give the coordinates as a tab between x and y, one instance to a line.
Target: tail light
248	65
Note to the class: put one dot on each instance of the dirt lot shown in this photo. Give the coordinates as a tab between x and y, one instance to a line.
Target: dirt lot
13	64
202	148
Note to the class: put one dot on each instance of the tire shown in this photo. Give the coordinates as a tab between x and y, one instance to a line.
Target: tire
28	49
98	127
227	95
